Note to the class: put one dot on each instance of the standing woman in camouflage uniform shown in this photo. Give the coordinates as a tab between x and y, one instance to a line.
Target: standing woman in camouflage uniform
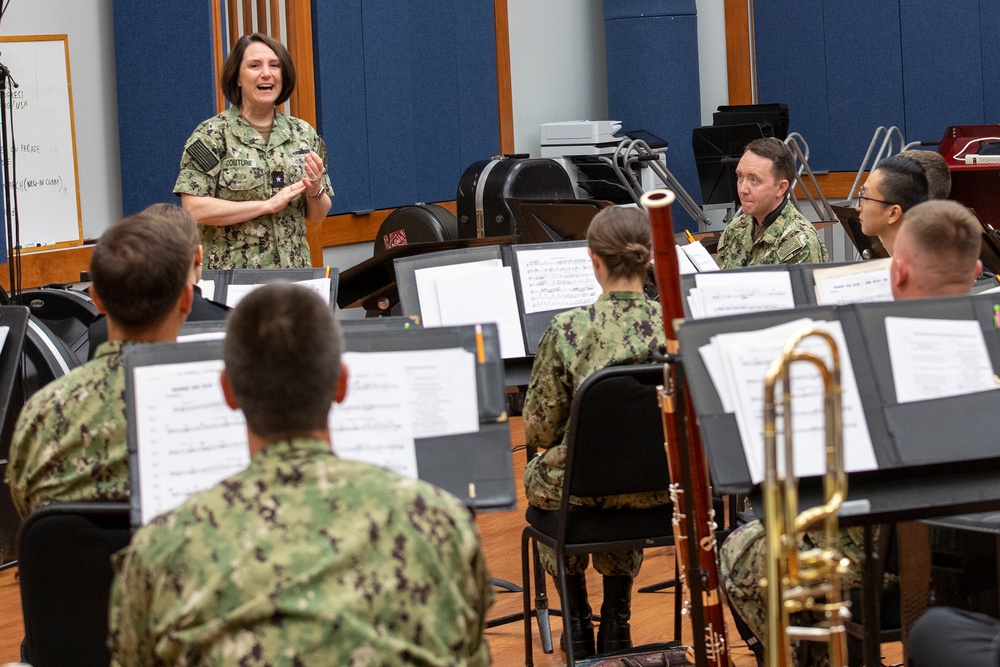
623	326
253	176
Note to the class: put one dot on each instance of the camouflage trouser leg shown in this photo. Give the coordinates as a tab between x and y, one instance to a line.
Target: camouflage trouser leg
543	481
742	564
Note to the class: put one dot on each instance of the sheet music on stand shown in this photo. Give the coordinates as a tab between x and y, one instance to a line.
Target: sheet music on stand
862	282
738	293
419	402
230	286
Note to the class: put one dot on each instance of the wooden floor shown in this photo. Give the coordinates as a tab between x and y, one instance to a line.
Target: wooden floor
652	613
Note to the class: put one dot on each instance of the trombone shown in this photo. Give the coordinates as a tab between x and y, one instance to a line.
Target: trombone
806	581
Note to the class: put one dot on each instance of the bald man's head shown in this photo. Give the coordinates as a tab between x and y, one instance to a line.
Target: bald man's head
936	251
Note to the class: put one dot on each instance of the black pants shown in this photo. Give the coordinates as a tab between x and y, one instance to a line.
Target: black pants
946	637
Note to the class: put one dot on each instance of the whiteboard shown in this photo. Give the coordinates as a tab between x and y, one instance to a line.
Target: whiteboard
43	141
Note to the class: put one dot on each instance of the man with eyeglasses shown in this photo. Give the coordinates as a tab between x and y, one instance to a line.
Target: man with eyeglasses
896	185
770	230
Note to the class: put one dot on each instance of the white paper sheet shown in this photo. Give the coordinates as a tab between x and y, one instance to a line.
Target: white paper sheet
3	336
484	294
934	358
699	257
745	358
188	438
863	282
427	279
236	293
395	397
735	293
684	263
207	288
557	279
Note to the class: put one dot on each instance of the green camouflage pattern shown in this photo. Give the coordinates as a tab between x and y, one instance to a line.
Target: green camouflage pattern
790	239
304	559
70	439
619	328
226	158
743	563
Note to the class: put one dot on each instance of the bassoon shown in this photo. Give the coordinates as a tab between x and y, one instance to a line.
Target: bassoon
689	484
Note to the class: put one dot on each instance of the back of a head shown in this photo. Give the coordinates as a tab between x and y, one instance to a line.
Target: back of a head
935	169
282	352
777	152
139	268
621	237
180	217
903	181
942	240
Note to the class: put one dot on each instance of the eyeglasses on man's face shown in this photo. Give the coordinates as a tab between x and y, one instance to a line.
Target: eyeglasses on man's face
861	197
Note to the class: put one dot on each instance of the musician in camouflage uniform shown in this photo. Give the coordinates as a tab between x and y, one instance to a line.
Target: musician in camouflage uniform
937	254
770	230
303	558
252	176
69	441
623	326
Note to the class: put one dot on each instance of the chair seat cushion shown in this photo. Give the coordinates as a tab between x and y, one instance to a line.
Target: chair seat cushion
588	525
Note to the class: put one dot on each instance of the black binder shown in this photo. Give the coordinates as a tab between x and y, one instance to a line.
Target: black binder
223	278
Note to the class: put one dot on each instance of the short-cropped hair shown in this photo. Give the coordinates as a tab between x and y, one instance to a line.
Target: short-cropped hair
903	181
935	169
139	268
282	352
621	237
946	231
231	70
777	152
181	217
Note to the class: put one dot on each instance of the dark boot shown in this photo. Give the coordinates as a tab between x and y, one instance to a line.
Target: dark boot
581	630
615	634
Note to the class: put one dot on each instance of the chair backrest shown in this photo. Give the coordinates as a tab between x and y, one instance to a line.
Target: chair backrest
615	442
65	569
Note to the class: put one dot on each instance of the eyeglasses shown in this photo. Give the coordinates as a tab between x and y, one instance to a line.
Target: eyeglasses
861	196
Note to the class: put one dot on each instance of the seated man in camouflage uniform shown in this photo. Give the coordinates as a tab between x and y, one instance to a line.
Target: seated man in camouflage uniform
69	440
770	230
937	254
302	558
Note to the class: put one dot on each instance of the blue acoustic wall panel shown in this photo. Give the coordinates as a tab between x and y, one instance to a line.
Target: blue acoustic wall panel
989	25
164	70
422	104
792	69
630	9
341	107
652	70
942	66
406	97
864	76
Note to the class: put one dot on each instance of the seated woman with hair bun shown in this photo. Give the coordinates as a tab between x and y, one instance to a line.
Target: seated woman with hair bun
623	326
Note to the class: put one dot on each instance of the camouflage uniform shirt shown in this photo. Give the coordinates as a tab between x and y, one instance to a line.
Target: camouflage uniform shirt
227	159
788	239
619	328
304	559
69	442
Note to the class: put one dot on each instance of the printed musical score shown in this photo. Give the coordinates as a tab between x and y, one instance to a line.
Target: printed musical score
862	282
735	293
933	358
557	279
737	363
187	437
236	293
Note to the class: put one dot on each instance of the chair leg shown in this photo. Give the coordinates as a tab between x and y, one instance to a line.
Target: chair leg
526	598
541	602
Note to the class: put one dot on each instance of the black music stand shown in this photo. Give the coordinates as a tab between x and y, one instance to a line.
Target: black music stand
717	151
774	115
917	477
544	220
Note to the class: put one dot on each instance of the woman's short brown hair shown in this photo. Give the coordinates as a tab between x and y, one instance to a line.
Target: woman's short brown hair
231	70
622	239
